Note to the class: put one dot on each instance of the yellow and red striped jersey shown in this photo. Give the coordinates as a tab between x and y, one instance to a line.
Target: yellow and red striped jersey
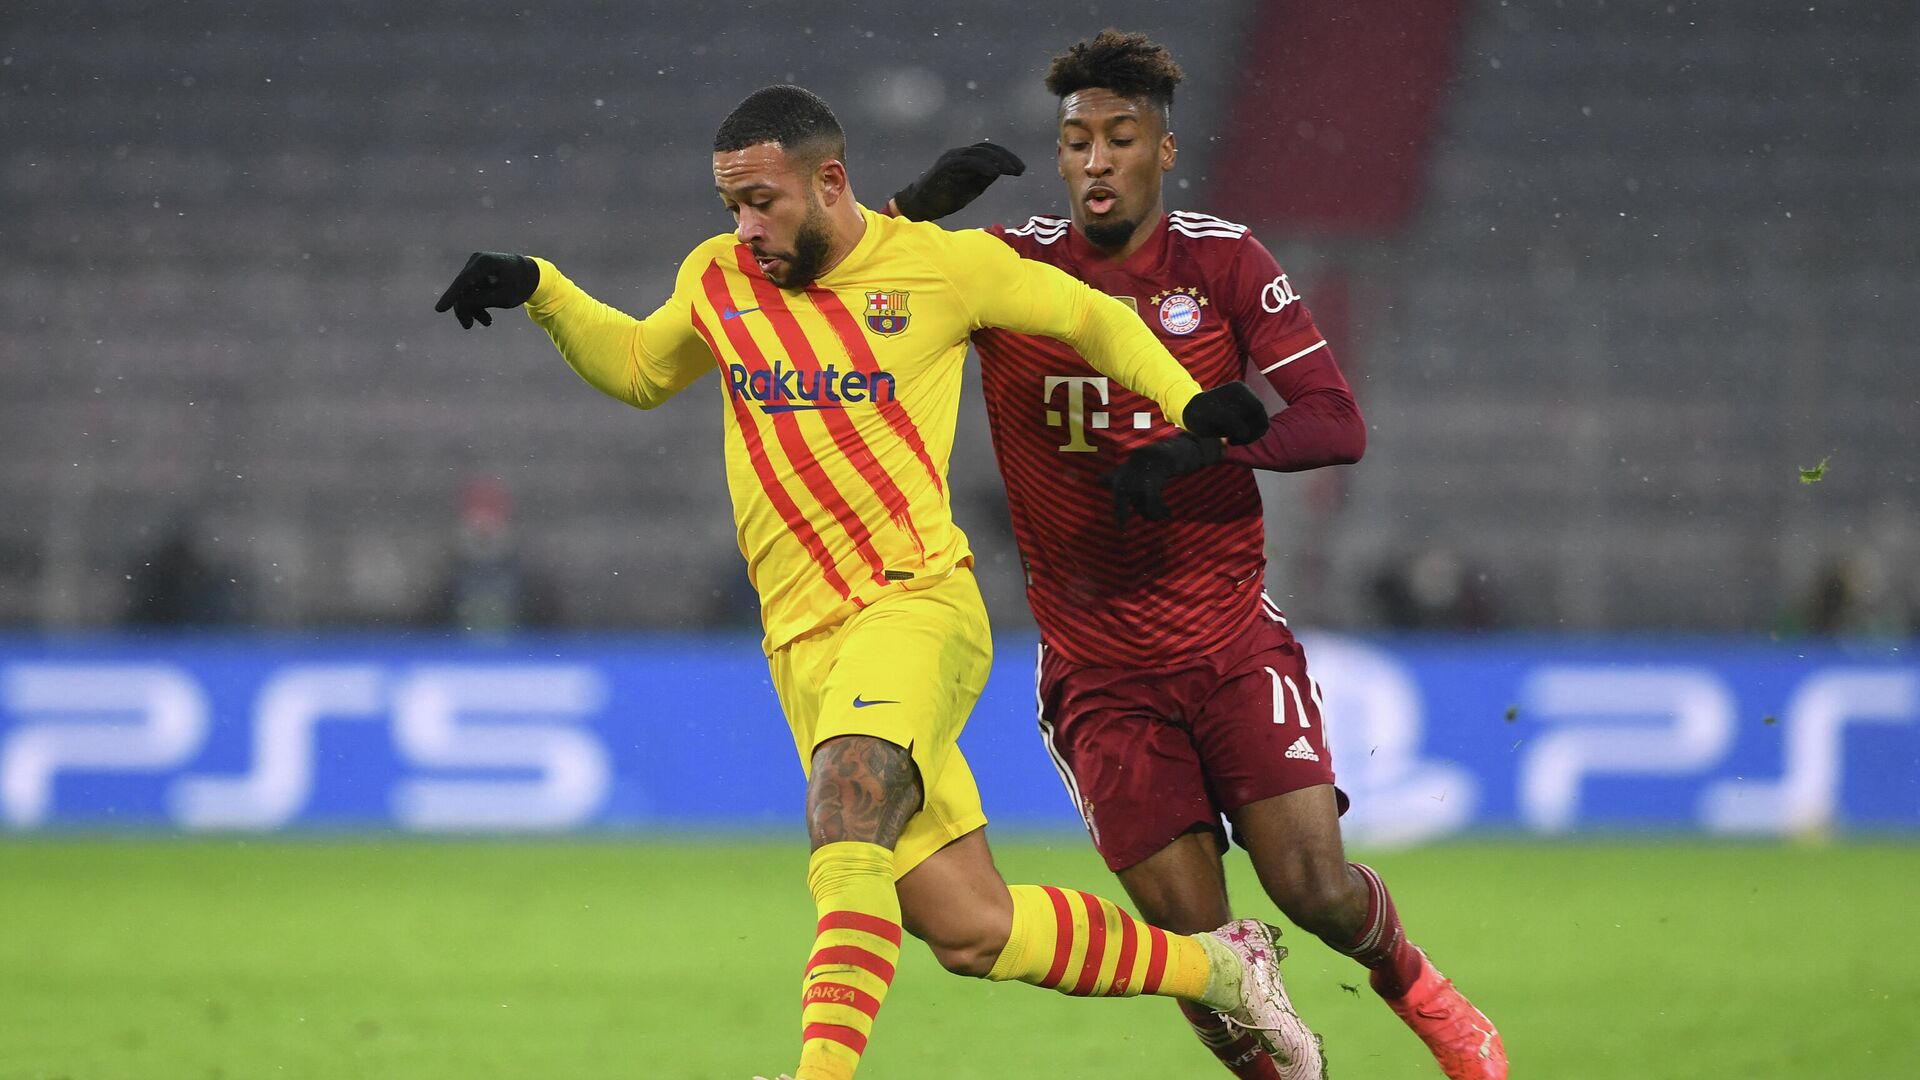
839	398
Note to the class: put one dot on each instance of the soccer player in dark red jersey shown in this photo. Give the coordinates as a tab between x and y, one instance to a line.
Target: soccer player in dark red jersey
1171	692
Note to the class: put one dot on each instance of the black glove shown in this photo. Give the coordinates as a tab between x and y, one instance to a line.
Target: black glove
490	279
1137	482
955	180
1232	412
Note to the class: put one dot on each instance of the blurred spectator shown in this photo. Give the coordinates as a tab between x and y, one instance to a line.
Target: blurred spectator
488	588
1854	595
1434	589
20	570
177	582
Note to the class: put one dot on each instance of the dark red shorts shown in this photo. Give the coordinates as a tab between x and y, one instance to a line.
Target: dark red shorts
1150	754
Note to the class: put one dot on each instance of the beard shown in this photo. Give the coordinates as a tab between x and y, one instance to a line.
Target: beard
811	243
1108	235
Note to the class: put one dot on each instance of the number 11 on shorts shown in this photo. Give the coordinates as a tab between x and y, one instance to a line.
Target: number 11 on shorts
1291	691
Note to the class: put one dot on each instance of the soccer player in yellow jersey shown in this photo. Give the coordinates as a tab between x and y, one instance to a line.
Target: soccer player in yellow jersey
839	336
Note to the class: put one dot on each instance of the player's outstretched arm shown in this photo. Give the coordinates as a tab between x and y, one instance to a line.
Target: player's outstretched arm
491	279
1003	290
640	362
957	177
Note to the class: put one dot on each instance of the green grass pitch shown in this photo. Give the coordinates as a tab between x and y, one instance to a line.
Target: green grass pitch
233	959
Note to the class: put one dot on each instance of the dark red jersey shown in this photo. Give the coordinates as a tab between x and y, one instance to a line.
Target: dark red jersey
1154	592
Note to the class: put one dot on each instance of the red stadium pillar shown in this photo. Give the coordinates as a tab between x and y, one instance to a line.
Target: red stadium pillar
1334	113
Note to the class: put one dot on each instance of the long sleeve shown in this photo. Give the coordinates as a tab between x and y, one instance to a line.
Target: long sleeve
1031	297
1321	423
642	362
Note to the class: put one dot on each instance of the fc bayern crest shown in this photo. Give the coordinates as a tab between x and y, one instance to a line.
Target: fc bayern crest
887	312
1180	314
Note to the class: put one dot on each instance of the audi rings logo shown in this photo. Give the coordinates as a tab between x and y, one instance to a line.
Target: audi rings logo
1277	295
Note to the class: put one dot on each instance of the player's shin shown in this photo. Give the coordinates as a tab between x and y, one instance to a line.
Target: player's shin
1084	946
855	950
1381	946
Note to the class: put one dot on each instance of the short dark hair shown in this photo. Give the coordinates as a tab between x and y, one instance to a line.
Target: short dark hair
1130	65
791	116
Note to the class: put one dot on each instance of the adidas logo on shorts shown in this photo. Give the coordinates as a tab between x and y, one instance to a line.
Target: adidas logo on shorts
1302	750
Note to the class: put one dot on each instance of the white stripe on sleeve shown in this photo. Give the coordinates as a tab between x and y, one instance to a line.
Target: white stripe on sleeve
1321	344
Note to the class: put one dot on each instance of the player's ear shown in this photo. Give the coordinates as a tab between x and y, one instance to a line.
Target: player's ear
832	178
1060	157
1169	149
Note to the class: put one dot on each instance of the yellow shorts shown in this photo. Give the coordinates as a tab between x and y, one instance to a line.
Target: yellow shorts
906	669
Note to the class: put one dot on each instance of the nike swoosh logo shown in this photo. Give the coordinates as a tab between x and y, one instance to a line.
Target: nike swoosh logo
859	704
732	313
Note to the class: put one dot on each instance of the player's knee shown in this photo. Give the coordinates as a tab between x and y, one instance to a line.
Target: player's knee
1181	887
1184	907
861	789
1320	900
974	959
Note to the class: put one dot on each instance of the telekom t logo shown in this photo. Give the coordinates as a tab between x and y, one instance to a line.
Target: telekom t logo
1077	418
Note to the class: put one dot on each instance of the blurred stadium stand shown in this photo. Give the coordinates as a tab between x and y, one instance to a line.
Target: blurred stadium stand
1665	258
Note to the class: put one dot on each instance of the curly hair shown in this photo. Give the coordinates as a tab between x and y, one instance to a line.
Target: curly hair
1130	65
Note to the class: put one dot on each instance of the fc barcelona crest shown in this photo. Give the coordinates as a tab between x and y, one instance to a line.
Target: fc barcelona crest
887	312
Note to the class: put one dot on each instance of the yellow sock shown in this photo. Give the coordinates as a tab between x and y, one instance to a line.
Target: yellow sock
1084	946
856	947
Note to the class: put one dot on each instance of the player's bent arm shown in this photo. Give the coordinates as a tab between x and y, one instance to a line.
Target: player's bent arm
1321	424
1032	297
1319	427
642	362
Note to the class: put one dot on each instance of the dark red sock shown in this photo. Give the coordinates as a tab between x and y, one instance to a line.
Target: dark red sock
1382	946
1242	1056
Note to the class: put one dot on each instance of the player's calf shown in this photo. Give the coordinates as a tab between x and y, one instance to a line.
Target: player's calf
1061	939
1462	1040
855	951
860	794
968	939
1084	946
1380	944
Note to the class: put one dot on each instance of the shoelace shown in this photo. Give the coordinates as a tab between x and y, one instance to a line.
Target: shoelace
1234	1026
1486	1042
